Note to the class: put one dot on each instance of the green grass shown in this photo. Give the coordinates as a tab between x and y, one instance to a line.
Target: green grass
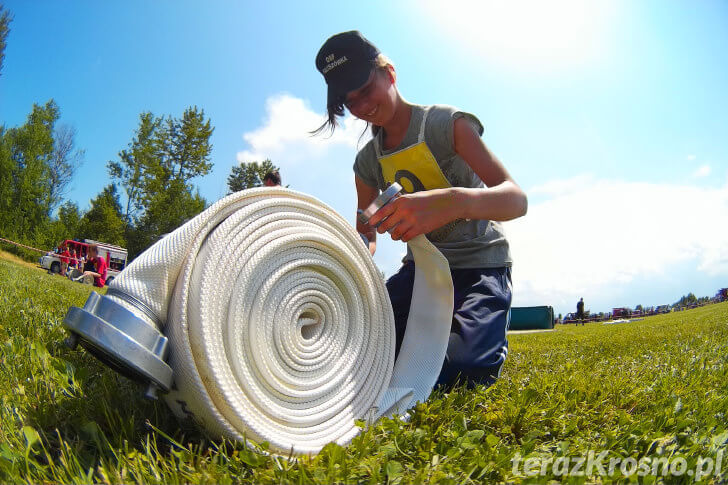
656	388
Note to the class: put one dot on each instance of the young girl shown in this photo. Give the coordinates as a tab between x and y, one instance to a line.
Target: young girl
95	267
455	191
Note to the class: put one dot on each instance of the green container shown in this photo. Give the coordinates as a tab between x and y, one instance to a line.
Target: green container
532	318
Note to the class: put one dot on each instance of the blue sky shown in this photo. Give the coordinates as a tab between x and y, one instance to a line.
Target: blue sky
613	116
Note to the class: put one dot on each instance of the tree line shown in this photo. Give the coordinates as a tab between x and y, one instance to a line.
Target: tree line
153	176
151	190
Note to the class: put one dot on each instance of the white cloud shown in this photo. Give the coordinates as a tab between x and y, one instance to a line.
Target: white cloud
690	157
596	237
563	186
524	34
285	135
702	171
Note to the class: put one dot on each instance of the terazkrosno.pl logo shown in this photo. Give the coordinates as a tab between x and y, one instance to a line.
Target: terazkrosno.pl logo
600	464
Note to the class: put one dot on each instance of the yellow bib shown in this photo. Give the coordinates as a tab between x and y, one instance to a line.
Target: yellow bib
414	167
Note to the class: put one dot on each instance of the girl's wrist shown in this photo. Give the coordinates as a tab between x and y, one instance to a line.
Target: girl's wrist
459	202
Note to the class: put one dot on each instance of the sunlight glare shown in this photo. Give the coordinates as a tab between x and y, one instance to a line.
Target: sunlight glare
525	34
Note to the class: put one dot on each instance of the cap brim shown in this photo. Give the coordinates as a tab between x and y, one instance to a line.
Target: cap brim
339	88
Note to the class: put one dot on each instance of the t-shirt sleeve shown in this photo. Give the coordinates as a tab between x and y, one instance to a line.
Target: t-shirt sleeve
102	268
441	123
366	165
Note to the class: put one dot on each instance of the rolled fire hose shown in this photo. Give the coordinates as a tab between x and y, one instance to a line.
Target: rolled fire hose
277	324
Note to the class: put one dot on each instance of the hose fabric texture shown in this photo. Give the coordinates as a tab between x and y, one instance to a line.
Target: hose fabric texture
280	325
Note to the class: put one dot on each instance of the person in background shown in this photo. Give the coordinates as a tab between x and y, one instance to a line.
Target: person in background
73	264
580	311
99	267
272	179
65	256
73	267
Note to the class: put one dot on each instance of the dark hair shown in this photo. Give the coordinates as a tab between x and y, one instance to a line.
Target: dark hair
331	123
273	176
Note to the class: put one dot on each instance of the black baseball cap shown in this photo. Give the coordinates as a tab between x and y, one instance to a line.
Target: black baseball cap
345	60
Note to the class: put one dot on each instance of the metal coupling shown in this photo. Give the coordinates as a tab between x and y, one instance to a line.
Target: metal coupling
131	343
387	196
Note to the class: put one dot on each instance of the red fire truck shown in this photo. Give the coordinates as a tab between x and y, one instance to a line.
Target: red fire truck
115	256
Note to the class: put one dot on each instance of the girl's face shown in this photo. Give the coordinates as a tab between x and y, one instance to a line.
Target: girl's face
375	101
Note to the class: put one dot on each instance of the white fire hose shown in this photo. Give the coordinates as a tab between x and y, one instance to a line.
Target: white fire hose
277	323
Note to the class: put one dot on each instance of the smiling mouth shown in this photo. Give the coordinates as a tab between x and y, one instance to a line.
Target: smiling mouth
372	112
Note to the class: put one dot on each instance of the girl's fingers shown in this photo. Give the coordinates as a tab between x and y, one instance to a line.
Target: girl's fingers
387	224
381	214
398	231
404	231
412	233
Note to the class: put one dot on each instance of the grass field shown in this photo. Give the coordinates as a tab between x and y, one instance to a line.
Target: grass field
4	255
650	393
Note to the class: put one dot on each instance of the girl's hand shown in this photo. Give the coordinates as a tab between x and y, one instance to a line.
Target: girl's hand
413	214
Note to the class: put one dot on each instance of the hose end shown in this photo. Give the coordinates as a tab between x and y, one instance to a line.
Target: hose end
389	194
121	339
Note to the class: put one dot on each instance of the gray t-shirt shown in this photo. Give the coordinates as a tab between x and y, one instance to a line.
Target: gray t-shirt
465	243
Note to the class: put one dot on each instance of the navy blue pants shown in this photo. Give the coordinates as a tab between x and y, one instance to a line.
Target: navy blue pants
481	315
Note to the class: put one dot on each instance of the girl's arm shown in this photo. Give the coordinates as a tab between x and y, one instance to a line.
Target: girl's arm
365	195
501	200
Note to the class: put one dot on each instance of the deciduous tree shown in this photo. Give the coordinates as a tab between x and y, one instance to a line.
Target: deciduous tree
70	218
103	221
63	164
5	19
156	173
167	211
248	175
25	183
133	164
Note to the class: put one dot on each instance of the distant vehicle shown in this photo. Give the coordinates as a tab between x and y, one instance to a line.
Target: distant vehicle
662	309
569	318
621	312
115	256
